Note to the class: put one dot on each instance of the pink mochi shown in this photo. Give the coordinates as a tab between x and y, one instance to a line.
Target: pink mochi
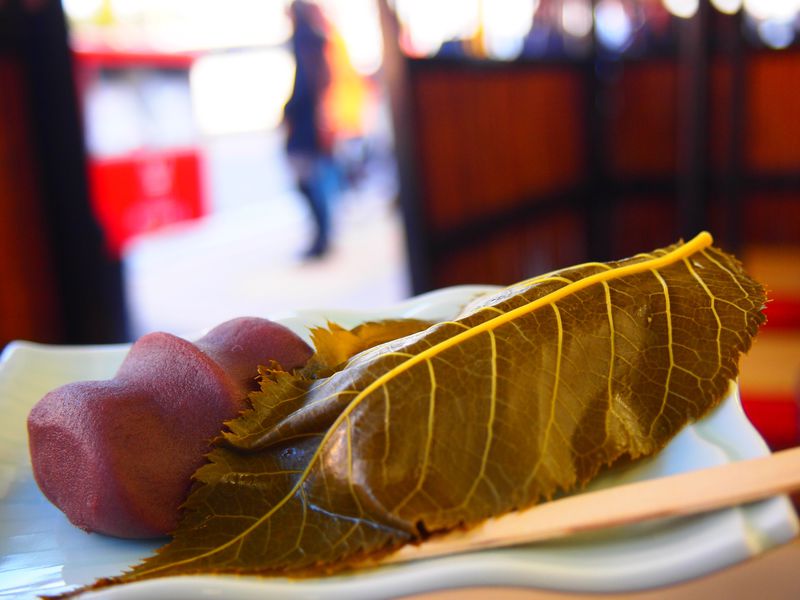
117	456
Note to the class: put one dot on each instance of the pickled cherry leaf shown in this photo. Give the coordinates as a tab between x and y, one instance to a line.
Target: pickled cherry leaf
335	345
529	393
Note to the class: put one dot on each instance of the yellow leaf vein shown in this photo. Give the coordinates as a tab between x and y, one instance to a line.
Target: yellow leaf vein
551	419
386	431
713	299
613	353
668	311
487	446
428	441
733	278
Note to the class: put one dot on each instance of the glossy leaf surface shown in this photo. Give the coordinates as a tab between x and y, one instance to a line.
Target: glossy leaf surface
530	392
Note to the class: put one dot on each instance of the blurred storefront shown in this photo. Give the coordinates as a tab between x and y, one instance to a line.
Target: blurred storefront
160	82
602	126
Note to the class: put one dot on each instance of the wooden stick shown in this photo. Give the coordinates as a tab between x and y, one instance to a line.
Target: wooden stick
676	495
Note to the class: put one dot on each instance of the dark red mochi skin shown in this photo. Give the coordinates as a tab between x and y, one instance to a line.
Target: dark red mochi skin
117	456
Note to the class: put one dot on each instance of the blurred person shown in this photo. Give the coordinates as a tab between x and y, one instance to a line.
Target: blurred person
309	141
348	111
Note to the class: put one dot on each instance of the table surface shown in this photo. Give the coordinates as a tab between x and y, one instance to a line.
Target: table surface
774	575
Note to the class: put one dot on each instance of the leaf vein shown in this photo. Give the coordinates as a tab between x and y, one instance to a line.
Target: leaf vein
668	314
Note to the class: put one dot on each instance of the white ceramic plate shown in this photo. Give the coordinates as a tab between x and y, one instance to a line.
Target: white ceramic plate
40	552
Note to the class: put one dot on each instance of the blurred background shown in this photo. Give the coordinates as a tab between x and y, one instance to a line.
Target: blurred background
158	171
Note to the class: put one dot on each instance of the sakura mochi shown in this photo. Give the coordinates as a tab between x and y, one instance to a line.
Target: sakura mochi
117	456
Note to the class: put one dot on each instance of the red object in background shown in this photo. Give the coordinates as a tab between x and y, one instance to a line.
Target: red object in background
99	58
776	419
776	415
783	313
144	191
140	183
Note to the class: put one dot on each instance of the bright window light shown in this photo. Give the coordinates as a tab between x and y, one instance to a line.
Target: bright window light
612	25
82	9
359	25
782	10
125	9
685	9
505	26
576	17
728	7
432	22
241	91
776	33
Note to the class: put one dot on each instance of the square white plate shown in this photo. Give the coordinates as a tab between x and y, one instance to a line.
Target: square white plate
41	552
